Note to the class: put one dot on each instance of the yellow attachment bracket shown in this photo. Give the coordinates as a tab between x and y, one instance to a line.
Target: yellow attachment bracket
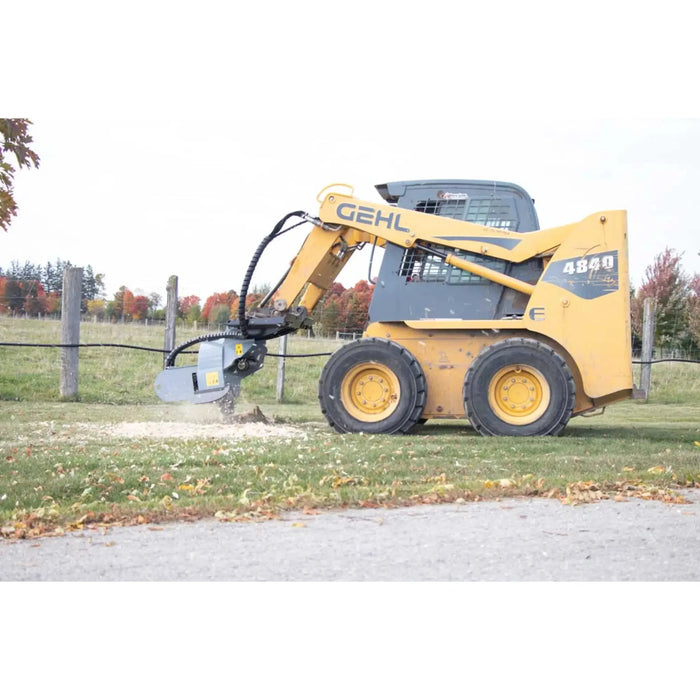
320	198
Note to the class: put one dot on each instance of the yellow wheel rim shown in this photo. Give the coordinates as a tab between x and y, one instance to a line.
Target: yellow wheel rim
370	392
519	394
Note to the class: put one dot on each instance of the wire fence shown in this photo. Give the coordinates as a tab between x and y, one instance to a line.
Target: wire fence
339	336
120	362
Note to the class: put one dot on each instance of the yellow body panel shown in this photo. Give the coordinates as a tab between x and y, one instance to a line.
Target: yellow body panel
445	356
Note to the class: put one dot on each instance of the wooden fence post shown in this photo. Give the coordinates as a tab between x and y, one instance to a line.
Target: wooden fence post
280	368
170	316
647	346
70	331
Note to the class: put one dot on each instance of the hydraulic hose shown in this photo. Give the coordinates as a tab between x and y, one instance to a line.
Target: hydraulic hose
242	320
276	231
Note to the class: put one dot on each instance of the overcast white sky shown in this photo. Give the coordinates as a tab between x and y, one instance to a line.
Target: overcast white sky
173	139
142	200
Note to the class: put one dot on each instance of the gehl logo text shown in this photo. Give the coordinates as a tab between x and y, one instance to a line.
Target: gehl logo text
371	216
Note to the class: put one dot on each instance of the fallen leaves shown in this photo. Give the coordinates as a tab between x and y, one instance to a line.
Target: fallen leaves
336	479
258	514
582	492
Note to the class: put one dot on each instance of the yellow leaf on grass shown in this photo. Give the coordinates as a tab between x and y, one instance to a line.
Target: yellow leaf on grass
629	469
658	469
696	443
504	483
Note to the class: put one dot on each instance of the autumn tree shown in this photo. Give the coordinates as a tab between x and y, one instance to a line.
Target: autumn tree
97	308
27	296
219	305
189	308
669	286
329	316
127	303
34	298
12	295
344	310
356	304
52	303
15	141
694	309
139	307
123	305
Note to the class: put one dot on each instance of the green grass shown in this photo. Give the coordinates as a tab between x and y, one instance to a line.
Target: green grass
63	466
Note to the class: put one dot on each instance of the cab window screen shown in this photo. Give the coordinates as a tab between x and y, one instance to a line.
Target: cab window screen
438	207
419	266
494	212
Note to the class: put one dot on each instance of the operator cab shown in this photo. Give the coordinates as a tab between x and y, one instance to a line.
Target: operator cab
495	204
416	285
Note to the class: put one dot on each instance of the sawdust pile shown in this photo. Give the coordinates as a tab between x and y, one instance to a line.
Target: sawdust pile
227	431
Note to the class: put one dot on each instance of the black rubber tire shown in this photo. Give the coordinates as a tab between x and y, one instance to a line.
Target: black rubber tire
383	353
512	352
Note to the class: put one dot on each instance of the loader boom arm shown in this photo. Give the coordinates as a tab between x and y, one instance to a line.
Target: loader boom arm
349	223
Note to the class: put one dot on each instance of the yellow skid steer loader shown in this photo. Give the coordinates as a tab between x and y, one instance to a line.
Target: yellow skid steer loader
475	313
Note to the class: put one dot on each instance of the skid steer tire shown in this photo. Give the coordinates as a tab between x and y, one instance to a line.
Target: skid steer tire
372	385
519	387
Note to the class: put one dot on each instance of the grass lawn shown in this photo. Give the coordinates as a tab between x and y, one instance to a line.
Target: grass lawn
118	455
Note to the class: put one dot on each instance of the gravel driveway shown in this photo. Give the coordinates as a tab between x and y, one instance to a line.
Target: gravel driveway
508	540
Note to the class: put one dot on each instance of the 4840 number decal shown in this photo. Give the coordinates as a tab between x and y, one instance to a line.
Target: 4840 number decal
588	276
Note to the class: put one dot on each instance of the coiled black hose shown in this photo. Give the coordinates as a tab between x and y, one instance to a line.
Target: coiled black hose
242	320
276	231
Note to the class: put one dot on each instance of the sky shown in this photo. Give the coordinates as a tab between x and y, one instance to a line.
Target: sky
171	142
141	200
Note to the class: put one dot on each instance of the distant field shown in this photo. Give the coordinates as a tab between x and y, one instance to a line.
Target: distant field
120	455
